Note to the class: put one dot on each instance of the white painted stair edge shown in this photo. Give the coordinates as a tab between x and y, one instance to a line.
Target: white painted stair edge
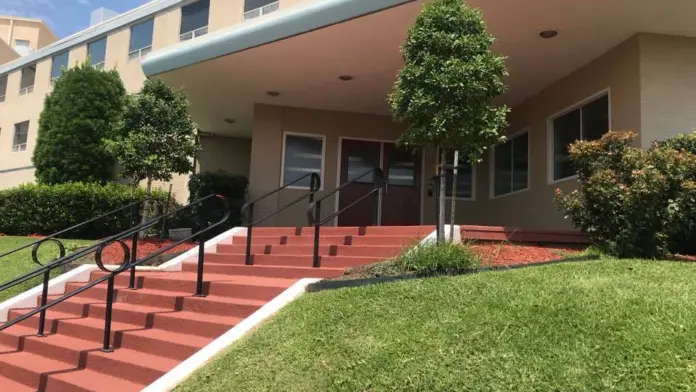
81	274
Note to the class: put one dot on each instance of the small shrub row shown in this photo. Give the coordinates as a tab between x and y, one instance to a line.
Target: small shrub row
634	202
46	209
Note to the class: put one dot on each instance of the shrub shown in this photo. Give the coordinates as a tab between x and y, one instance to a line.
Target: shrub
634	202
436	258
46	209
200	185
83	109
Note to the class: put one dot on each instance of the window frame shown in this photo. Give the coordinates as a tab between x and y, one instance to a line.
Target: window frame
474	179
3	96
550	131
195	33
510	138
102	64
260	11
147	49
323	158
22	147
53	62
28	89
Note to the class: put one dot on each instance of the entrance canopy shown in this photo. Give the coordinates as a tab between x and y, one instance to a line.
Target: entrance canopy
296	57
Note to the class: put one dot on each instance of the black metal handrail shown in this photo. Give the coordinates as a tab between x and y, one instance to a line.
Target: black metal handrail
314	209
314	186
53	237
128	262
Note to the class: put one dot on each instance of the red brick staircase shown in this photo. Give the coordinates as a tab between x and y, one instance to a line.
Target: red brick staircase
161	324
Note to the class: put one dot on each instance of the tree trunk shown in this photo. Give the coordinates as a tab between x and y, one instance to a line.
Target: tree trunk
146	206
454	195
443	179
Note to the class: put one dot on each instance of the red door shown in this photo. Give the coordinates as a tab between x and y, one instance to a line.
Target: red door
401	201
358	157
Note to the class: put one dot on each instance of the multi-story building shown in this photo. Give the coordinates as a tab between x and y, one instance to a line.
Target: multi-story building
30	58
281	89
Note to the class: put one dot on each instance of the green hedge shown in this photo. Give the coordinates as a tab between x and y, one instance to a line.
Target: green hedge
46	209
219	183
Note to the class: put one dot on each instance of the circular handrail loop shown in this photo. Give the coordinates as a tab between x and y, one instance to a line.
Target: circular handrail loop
126	256
35	249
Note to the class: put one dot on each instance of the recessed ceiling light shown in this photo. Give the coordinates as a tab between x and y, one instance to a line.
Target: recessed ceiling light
345	78
230	120
548	34
273	93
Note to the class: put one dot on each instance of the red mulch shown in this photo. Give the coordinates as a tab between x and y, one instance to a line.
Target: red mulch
114	252
502	254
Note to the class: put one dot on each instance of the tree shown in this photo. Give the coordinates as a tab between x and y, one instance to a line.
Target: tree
82	110
445	90
156	137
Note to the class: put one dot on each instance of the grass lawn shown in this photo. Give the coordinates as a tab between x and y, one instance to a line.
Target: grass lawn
19	263
595	326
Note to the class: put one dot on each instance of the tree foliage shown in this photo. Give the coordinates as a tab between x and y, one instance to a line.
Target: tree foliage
157	137
444	92
83	109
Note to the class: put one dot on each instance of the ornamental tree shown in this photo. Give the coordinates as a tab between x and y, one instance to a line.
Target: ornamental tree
156	137
82	110
445	90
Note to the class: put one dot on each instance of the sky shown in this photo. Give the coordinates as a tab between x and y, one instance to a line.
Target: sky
64	17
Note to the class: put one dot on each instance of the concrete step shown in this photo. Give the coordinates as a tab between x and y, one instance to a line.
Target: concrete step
343	231
133	365
45	374
308	250
385	240
250	287
287	260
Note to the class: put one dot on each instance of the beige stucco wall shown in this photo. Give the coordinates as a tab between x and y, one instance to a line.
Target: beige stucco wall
229	154
668	86
7	54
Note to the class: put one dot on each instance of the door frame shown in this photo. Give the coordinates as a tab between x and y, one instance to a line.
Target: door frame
381	166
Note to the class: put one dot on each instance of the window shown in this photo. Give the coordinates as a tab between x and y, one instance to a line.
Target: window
3	88
20	137
23	47
511	166
194	20
465	178
588	122
255	8
302	155
97	53
28	78
60	62
141	40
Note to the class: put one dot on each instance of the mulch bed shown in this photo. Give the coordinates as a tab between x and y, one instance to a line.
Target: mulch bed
504	254
114	252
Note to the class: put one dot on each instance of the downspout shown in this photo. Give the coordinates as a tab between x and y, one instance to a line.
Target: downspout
9	33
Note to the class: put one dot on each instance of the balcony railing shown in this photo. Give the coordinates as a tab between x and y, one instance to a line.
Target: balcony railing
261	11
194	34
19	147
99	65
26	90
140	53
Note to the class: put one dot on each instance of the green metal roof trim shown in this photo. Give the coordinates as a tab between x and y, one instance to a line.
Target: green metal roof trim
267	29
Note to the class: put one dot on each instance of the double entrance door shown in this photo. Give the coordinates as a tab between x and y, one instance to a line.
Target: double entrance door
401	197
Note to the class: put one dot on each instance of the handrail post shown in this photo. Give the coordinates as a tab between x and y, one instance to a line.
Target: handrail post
377	183
133	259
107	315
201	256
250	226
316	261
44	297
